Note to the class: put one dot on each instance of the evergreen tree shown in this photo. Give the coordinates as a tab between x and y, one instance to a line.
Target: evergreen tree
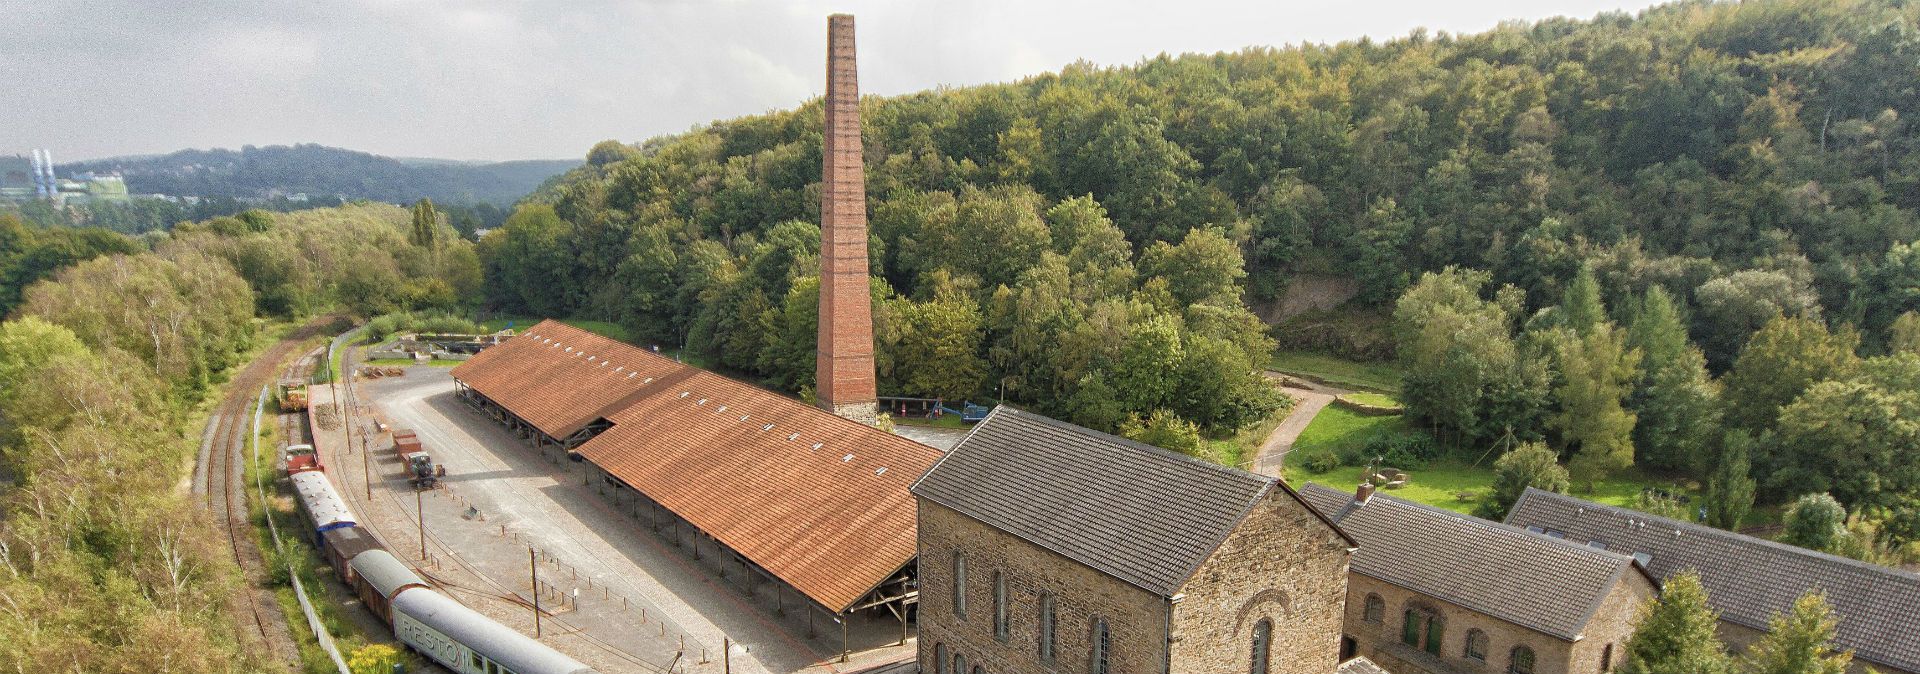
1581	306
1730	490
1675	402
1676	634
1904	335
1596	372
426	224
1798	642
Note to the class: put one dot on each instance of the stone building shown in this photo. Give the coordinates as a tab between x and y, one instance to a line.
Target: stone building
1049	547
1444	593
1749	580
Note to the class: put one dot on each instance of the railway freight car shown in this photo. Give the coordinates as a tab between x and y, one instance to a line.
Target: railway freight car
469	643
378	576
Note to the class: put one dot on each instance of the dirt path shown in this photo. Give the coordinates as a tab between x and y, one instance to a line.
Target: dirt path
1308	399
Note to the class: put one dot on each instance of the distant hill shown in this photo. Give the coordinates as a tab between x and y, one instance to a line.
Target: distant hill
318	170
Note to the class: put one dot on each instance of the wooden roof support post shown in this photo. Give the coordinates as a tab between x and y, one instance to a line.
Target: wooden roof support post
844	651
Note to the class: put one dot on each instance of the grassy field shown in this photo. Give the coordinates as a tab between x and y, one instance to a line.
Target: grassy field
1382	377
1337	428
1374	399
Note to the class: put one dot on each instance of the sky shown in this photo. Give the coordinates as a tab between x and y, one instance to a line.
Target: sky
526	79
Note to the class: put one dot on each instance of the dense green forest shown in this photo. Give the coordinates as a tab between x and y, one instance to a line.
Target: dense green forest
1075	238
106	563
318	170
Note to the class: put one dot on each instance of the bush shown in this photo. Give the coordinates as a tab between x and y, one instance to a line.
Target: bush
1406	451
1529	465
1320	461
386	325
1816	522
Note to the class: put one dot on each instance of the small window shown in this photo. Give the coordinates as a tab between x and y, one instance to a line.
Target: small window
1046	627
940	659
959	585
977	670
1000	606
959	663
1597	544
478	665
1535	528
1606	658
1476	645
1262	646
1102	642
1520	661
1376	610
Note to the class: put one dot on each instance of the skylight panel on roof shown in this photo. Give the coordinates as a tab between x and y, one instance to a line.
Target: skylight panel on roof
648	380
723	408
881	471
816	445
846	458
743	417
684	394
767	427
795	436
703	401
631	375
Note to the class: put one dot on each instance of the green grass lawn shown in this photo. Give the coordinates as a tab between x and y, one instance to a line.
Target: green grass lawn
1374	399
945	421
1337	428
1383	377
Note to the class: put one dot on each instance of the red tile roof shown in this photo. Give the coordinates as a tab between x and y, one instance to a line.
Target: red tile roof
818	501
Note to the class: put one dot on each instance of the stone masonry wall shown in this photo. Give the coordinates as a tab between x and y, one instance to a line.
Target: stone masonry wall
1136	619
1380	641
1283	564
1612	624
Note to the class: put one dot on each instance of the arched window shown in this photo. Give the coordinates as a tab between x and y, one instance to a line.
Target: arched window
940	659
1101	642
1000	606
1422	627
978	670
1476	645
1262	646
959	663
1046	626
1376	609
959	585
1520	661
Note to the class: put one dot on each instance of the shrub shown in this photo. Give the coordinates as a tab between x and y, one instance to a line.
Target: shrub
1816	522
1529	465
1407	451
1320	461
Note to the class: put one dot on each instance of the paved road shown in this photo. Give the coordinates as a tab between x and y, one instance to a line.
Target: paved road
1308	399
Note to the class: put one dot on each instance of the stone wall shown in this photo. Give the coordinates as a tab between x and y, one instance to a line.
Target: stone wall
1136	619
1380	641
1612	624
1283	564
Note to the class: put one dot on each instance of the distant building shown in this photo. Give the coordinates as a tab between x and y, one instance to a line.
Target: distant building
1444	593
1049	547
1749	580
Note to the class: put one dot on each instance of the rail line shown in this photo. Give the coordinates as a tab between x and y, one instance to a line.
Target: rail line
221	484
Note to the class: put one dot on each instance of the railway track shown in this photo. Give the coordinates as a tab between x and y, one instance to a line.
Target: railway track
221	484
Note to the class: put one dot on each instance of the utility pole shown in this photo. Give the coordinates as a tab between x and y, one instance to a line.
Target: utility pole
366	468
533	566
420	516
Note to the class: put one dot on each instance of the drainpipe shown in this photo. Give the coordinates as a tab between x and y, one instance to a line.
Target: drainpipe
1166	667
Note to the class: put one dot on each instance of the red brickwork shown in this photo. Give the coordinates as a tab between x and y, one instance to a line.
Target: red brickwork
844	378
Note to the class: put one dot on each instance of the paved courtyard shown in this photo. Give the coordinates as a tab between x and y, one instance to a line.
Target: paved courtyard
623	598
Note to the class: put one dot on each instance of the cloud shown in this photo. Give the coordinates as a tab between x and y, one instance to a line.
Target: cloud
504	79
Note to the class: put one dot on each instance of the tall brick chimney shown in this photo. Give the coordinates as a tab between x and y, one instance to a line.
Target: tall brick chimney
844	375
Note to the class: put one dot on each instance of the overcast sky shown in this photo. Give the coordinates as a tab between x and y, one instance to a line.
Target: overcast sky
502	79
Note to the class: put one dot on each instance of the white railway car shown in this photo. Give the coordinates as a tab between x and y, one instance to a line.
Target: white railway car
323	504
469	643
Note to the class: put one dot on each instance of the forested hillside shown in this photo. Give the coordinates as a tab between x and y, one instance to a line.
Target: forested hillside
1078	237
321	171
106	563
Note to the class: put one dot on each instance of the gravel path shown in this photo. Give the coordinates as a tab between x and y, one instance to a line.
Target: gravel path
1308	399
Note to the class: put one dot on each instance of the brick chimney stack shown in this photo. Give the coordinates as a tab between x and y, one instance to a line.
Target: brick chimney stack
844	378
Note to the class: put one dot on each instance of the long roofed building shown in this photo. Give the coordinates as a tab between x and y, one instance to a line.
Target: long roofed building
813	500
1749	580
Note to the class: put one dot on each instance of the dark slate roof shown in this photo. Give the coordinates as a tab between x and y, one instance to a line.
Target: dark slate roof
1749	580
1527	579
1142	514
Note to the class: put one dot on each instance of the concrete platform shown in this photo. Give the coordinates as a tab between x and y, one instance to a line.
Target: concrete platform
641	601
